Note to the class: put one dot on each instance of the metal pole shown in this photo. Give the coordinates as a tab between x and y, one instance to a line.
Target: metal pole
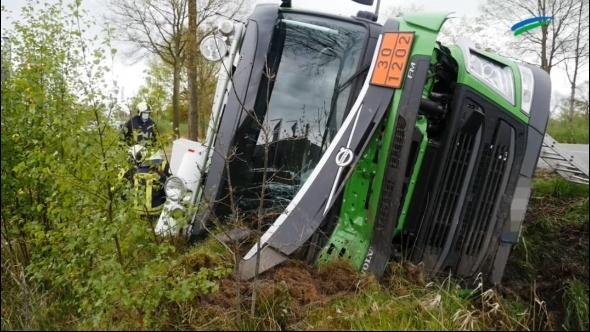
377	8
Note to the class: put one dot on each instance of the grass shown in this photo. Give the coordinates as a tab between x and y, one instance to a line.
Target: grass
564	131
576	299
550	187
436	306
545	287
550	263
296	297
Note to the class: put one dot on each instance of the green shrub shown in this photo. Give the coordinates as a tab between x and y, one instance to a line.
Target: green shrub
565	131
85	259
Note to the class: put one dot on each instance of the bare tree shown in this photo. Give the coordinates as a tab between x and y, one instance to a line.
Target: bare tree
193	117
582	101
547	42
202	14
578	51
159	28
206	83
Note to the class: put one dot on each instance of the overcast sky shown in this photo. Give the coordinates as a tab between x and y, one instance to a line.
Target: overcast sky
130	74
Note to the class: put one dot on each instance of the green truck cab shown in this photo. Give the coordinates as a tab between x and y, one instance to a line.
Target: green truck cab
348	139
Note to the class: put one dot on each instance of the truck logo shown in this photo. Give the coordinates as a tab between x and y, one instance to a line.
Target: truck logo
411	70
344	157
368	259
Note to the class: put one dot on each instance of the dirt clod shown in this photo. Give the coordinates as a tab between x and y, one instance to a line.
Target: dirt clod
337	277
226	297
300	283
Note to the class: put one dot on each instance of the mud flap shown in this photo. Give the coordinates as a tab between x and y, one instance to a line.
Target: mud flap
306	211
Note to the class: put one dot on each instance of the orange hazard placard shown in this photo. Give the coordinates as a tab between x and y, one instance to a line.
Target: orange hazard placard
392	59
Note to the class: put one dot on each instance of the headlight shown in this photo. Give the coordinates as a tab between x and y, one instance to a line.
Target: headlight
174	188
528	84
493	74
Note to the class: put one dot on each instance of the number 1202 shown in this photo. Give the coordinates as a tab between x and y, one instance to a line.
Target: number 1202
392	59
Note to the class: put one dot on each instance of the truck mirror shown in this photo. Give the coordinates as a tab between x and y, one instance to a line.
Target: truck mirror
213	48
364	2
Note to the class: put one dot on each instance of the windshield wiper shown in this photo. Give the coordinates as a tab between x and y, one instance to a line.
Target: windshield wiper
351	79
337	92
310	26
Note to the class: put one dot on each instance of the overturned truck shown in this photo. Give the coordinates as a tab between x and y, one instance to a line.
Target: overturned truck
353	140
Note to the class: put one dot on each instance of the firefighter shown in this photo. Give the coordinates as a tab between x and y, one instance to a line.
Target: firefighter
140	128
149	171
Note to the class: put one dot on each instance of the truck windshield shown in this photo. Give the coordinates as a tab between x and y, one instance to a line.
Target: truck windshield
300	106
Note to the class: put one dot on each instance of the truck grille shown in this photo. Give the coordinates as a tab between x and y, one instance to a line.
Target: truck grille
460	210
393	164
481	214
453	174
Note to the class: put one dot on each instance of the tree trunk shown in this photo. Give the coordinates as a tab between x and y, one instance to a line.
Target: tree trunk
193	114
574	80
175	100
544	63
570	115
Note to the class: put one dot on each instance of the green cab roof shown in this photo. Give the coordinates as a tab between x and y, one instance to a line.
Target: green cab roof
432	21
